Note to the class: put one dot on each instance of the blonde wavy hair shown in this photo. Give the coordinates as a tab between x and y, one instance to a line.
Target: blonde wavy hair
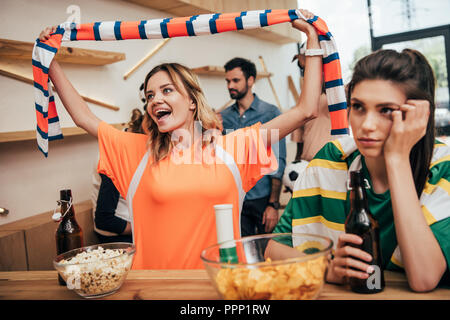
182	77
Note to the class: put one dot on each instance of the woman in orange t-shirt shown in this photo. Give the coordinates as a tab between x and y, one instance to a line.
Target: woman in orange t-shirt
173	176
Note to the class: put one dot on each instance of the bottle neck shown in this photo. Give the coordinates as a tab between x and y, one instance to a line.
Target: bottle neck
358	197
358	194
67	209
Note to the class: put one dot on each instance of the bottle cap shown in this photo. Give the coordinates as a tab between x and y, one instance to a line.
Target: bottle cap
65	194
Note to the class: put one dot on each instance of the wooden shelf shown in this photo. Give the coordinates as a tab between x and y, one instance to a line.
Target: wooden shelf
31	134
282	33
220	71
20	50
21	71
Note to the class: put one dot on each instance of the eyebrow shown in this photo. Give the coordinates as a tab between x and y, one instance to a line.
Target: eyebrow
379	105
162	86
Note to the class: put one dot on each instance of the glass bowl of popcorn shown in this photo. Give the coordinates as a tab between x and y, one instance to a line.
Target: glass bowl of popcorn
96	271
278	266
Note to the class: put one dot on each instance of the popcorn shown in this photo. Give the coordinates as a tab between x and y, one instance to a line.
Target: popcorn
293	281
97	271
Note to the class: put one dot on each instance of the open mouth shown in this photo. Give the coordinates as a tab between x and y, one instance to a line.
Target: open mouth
160	114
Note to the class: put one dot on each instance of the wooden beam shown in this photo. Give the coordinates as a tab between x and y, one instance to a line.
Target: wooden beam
270	83
148	56
31	134
9	69
21	50
220	71
293	89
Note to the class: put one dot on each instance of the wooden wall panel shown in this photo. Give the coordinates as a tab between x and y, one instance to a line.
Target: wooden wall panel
38	235
13	255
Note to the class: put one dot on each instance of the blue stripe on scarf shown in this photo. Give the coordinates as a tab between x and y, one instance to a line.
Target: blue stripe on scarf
97	32
52	120
41	133
38	86
212	23
45	153
73	34
39	65
292	15
333	83
238	21
163	25
325	37
117	33
141	28
337	106
45	46
263	18
339	131
190	26
314	19
59	136
330	58
59	30
40	109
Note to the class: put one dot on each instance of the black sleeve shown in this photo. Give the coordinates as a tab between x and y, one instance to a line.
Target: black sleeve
108	198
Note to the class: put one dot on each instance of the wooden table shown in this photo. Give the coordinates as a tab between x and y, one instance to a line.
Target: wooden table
182	285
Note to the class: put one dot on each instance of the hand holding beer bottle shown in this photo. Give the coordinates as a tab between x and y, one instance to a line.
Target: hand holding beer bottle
358	254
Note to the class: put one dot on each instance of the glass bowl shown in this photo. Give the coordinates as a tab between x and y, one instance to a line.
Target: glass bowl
278	266
96	271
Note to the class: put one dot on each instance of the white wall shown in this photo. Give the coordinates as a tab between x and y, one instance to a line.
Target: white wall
30	183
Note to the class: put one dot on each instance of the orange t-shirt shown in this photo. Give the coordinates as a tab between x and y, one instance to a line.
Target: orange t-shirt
173	212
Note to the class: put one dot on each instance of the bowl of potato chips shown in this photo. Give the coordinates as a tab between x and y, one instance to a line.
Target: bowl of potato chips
278	266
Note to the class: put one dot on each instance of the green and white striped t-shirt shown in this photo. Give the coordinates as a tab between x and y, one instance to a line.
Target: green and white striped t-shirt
320	201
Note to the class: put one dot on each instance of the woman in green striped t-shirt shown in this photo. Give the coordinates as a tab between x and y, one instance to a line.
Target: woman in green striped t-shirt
391	99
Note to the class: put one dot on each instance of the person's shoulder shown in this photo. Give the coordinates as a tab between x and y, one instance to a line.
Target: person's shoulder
440	161
339	150
435	196
227	112
268	107
441	152
111	132
227	109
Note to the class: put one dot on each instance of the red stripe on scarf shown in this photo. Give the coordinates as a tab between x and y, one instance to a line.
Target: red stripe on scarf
339	119
227	22
332	70
130	29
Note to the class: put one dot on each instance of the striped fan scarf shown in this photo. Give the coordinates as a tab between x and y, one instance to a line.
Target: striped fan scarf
48	126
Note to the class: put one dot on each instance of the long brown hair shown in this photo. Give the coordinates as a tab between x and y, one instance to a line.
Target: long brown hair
135	123
411	71
182	77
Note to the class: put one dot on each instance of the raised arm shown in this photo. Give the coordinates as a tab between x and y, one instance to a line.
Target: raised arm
307	106
71	99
